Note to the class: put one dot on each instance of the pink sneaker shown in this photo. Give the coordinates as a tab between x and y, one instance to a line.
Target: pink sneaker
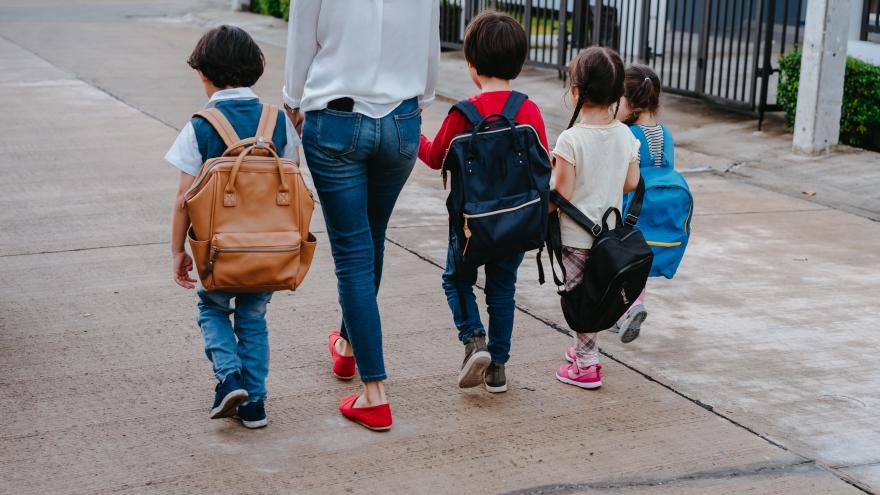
569	354
583	378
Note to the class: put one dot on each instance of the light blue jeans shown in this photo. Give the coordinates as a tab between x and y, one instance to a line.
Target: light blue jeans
242	345
359	165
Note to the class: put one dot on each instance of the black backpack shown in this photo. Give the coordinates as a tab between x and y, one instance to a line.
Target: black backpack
615	273
500	184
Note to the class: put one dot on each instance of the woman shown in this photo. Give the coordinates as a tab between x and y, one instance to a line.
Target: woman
357	75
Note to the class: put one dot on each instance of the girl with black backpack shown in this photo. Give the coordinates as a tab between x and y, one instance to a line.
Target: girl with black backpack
596	162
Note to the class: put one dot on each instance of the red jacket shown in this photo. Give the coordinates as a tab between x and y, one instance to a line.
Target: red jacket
456	123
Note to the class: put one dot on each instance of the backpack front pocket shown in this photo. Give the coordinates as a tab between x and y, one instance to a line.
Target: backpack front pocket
255	261
502	226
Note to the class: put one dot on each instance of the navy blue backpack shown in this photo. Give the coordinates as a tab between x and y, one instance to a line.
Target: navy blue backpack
667	208
500	175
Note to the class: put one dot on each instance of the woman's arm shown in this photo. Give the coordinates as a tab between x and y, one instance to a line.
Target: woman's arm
632	177
302	45
433	56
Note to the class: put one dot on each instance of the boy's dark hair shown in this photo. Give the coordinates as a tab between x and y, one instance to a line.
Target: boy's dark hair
228	57
641	86
597	73
496	45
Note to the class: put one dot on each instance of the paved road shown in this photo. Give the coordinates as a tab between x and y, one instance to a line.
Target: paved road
756	373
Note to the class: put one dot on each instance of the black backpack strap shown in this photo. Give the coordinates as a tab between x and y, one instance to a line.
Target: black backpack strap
635	206
470	112
513	104
553	242
572	212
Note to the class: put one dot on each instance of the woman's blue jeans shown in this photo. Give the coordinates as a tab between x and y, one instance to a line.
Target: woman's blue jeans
359	165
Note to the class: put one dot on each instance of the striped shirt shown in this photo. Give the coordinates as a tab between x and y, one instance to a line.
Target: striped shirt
654	135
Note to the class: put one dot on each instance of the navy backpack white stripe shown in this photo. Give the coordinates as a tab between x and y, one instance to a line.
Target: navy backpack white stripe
500	176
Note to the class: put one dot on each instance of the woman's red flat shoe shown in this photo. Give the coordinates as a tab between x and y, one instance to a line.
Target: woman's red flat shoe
343	366
376	418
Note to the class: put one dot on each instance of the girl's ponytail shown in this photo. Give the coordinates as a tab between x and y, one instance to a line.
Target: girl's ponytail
642	91
582	97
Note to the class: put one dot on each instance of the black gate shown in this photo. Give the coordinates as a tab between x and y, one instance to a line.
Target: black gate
725	51
871	21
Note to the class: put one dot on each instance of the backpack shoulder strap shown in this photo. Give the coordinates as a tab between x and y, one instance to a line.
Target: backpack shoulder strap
513	104
635	206
268	119
576	215
668	148
220	124
470	112
645	156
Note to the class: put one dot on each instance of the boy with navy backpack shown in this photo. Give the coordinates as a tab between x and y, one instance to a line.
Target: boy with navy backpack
668	205
493	149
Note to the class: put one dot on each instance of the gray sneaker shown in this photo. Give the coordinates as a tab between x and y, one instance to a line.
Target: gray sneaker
631	325
476	360
496	381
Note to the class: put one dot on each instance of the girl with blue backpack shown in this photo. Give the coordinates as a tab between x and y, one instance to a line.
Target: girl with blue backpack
668	205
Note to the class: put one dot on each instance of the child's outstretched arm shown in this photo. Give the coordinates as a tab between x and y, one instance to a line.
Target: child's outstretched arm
433	152
182	262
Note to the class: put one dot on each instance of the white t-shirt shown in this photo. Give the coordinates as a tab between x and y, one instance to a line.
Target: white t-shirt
601	155
380	53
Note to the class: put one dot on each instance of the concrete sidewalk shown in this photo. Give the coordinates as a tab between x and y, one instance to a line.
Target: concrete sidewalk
752	375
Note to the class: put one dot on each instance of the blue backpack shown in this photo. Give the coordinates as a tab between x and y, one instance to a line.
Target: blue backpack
500	184
665	219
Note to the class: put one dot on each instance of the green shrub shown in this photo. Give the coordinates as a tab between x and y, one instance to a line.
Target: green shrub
276	8
860	113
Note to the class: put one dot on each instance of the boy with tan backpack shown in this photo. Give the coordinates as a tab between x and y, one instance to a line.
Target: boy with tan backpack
245	210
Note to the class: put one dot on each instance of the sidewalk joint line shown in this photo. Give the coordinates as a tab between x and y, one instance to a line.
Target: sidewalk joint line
712	474
74	250
88	82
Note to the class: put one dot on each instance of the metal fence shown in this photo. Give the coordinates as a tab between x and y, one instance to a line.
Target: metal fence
871	21
725	51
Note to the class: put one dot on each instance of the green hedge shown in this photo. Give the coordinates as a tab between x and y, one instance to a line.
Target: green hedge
860	115
277	8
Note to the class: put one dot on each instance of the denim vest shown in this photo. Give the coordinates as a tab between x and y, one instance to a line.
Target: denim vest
244	115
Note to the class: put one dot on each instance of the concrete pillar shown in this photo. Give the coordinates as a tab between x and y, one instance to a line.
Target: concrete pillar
817	124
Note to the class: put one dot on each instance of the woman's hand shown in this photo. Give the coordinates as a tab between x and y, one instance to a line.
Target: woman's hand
181	266
296	117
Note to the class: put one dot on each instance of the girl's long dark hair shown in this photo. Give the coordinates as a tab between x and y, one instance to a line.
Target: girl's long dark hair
597	73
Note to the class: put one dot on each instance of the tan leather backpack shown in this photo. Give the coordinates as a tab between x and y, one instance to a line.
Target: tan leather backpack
250	212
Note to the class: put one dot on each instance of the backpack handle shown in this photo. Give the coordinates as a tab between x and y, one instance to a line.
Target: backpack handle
608	212
485	120
282	197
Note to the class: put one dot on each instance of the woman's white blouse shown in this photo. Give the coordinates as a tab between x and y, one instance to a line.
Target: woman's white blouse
377	52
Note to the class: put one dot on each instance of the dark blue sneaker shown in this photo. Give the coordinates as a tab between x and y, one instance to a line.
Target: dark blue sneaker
253	414
229	394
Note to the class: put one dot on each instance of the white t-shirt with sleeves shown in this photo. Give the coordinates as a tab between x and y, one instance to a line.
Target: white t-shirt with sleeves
601	155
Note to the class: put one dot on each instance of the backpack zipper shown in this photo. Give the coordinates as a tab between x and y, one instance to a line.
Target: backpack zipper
215	250
467	231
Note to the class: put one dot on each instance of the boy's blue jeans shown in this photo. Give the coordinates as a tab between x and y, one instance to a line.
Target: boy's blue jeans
458	283
240	346
359	165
